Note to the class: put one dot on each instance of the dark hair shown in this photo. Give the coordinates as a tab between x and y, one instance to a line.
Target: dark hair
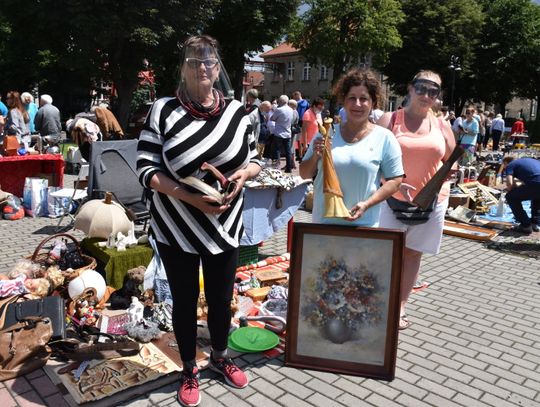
317	101
359	77
15	97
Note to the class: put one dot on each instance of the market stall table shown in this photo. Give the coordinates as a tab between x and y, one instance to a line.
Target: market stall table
267	210
117	263
14	170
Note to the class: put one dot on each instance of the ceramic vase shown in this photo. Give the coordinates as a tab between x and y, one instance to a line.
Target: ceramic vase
336	331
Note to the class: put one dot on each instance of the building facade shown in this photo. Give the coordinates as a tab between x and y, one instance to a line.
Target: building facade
286	70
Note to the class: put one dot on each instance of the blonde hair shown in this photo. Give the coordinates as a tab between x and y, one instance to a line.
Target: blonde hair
55	276
42	289
427	74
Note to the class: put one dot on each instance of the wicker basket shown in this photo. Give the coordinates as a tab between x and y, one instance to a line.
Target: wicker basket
40	258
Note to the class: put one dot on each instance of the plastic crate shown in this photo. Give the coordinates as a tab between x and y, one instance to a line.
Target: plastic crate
248	255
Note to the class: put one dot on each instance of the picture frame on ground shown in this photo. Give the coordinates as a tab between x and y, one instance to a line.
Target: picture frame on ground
343	310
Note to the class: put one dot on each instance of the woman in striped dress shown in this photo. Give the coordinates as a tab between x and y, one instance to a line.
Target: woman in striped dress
180	134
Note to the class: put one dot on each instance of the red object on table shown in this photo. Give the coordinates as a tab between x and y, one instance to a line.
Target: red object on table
13	171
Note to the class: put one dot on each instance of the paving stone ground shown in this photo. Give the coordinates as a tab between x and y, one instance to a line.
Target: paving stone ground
474	340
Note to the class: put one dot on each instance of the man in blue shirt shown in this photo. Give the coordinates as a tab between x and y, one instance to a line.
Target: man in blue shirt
527	170
301	106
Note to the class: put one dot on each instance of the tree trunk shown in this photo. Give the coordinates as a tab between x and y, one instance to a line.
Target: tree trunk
125	89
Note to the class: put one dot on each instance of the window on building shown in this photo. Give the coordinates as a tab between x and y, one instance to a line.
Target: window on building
306	72
290	71
323	73
392	103
275	72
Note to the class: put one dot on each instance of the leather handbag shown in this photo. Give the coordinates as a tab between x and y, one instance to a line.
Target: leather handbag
23	345
409	213
11	145
51	307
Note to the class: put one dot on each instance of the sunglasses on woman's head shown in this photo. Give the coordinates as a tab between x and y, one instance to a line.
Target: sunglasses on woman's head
425	87
209	63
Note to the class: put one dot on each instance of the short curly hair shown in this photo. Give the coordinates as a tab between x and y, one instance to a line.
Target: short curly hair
359	77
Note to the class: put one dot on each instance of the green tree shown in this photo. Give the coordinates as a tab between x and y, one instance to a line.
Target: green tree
432	32
509	56
81	41
343	33
244	26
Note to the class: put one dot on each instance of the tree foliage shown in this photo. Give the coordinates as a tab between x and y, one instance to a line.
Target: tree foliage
74	43
244	26
509	55
342	33
432	32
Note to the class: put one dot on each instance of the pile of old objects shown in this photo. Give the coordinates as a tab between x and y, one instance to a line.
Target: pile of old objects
476	208
53	303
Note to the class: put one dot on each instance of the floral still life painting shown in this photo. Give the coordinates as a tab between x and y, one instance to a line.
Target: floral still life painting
343	297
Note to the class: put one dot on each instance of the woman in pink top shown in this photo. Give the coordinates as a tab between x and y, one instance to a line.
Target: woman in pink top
426	142
310	124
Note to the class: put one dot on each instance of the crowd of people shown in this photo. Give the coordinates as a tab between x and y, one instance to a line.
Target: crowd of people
27	125
382	160
21	117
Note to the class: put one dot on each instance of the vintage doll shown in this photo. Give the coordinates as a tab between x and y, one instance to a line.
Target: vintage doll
36	287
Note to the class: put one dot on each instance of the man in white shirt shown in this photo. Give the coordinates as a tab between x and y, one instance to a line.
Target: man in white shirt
283	118
497	130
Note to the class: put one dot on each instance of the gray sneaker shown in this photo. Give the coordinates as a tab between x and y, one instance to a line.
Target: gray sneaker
535	228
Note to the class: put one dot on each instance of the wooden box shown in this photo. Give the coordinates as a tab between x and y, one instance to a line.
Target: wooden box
270	277
458	200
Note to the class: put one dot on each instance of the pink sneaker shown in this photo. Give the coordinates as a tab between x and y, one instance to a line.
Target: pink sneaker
233	375
188	393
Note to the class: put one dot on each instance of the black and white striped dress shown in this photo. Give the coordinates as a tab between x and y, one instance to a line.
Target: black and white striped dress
175	143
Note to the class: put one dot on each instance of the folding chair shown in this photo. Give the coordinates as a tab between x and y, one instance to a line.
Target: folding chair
74	194
113	169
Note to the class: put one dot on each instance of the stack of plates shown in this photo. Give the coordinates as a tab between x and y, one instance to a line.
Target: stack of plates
252	339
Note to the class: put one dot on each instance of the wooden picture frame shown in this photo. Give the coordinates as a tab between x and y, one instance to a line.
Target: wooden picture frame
343	310
471	188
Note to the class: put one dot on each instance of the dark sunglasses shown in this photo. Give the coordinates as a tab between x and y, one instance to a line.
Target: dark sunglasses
209	63
429	88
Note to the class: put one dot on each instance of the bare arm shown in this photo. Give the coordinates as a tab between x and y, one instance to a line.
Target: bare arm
384	120
309	167
389	188
509	182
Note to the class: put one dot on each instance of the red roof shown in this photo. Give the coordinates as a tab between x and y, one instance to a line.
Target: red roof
281	50
254	78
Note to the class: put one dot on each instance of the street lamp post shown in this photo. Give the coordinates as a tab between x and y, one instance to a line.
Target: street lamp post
455	65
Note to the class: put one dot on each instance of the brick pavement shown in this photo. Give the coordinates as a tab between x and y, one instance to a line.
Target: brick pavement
473	340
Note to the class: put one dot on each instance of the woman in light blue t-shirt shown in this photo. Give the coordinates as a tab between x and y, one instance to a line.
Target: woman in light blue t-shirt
363	153
468	138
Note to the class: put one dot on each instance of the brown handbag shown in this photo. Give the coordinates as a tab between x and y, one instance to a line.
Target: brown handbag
23	345
11	145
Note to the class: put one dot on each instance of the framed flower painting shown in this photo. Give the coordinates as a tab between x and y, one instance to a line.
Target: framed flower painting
343	311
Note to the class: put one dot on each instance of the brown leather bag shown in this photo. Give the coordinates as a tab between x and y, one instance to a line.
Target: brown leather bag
11	145
23	346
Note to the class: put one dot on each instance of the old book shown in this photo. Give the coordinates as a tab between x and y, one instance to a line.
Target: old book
203	187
